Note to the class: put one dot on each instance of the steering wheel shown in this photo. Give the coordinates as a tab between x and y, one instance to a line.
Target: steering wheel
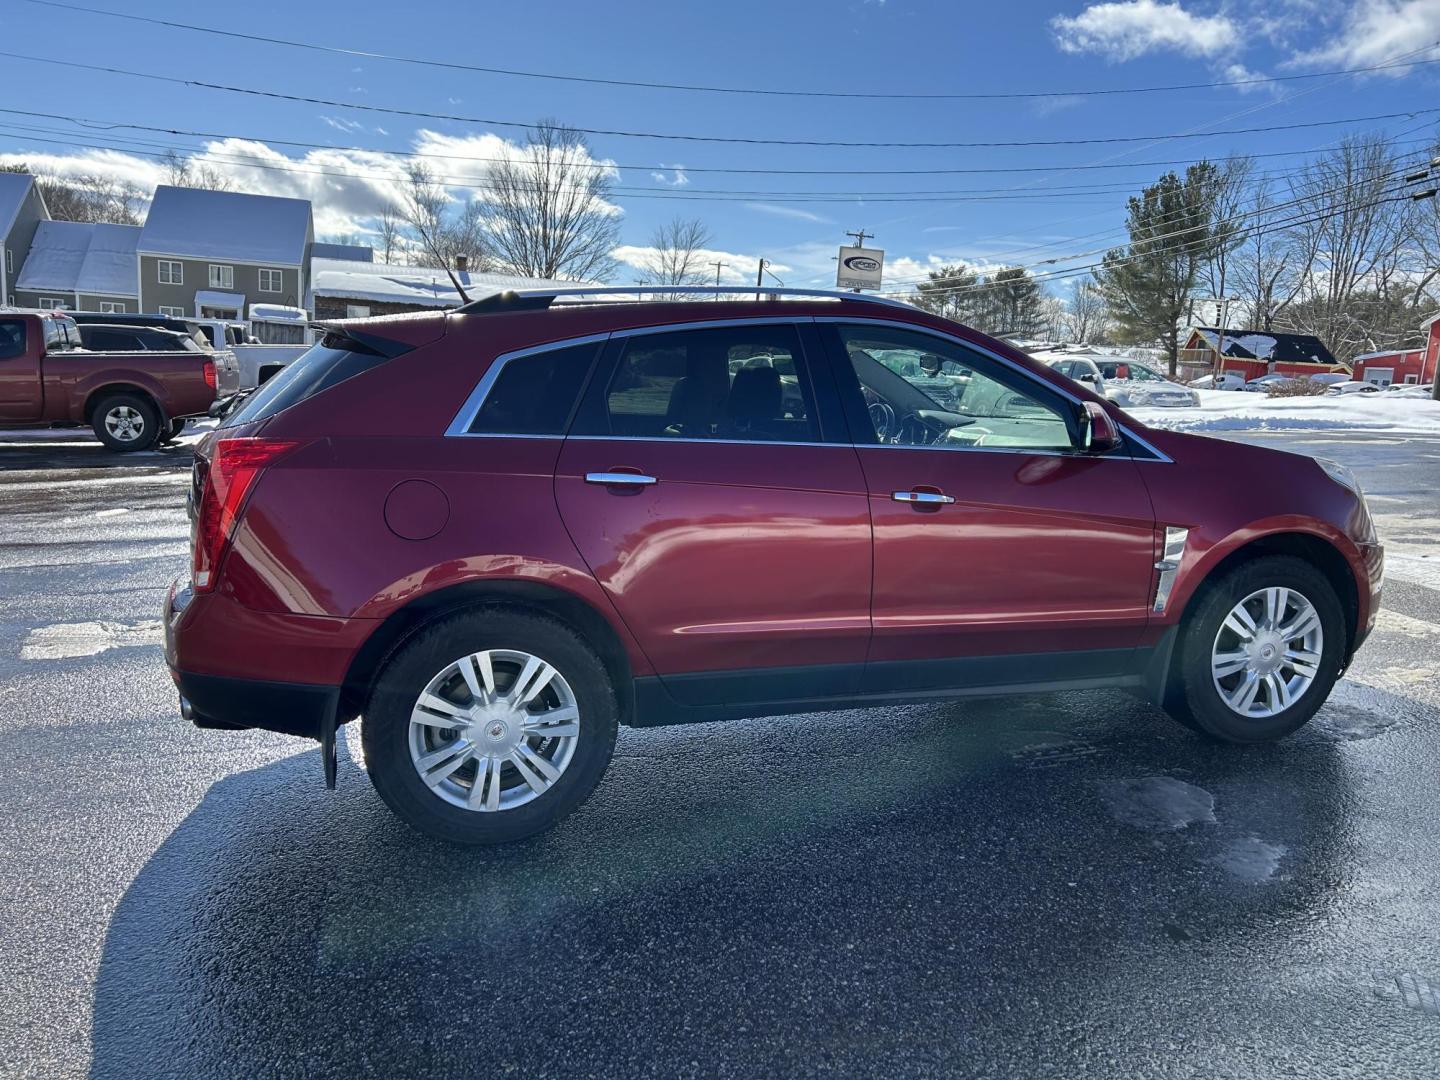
882	416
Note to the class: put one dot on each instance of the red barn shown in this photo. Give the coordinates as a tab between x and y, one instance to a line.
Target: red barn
1252	353
1404	367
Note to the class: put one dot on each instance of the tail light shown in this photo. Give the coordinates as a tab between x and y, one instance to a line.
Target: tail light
210	379
235	466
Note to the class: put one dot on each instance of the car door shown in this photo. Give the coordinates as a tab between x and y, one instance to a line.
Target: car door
709	484
1003	555
20	388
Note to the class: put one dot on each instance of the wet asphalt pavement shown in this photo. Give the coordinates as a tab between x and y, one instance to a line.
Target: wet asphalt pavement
1056	886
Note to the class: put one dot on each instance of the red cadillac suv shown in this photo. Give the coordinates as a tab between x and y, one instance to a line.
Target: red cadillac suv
497	533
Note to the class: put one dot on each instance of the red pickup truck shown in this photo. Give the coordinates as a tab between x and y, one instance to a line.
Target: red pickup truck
130	399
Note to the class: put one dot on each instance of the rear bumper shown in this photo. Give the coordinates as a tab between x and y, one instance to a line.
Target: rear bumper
217	701
216	650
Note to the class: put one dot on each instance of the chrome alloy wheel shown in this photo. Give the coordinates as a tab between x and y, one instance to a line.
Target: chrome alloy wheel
1267	652
494	730
125	423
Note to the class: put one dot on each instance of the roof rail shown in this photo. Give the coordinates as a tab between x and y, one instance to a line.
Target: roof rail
538	299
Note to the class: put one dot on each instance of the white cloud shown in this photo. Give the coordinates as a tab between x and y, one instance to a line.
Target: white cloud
1125	29
675	177
1379	31
339	123
788	212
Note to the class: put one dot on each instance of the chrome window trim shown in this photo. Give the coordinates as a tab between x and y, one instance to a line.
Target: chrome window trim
990	354
471	408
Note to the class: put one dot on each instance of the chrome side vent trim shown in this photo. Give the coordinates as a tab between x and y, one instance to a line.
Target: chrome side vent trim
1169	565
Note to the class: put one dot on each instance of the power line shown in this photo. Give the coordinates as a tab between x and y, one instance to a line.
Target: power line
389	110
992	95
115	125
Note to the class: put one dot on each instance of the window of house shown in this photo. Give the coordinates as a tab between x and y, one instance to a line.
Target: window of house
222	277
170	272
357	311
1411	380
271	280
535	394
111	307
172	312
12	338
9	260
919	390
54	303
746	383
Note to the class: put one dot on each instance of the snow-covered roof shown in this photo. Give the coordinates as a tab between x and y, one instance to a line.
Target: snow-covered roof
73	256
347	252
278	313
1266	345
193	223
14	187
1387	352
420	285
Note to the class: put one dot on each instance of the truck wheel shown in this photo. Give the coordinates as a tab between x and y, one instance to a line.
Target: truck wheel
489	726
1260	652
173	430
125	422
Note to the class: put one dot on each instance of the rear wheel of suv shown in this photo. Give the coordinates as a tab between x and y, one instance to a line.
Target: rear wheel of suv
125	422
490	725
1260	652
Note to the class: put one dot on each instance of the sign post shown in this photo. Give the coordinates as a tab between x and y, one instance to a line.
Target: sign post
859	268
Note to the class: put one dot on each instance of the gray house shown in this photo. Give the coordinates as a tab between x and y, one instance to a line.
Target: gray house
82	266
21	209
209	253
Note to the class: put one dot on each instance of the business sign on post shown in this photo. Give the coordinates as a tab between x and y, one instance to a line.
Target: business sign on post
859	268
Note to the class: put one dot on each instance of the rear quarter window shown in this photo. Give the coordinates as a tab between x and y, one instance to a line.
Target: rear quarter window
535	394
329	361
12	338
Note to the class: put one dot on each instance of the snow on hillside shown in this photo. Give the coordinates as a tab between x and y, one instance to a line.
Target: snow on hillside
1231	410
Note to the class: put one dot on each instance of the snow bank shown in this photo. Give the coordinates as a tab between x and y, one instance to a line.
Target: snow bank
1231	410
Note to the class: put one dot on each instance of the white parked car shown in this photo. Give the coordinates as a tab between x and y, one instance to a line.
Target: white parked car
1330	378
1401	390
1350	386
1225	381
1131	384
1263	383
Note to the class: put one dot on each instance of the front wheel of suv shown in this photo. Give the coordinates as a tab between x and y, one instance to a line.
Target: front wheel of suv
1260	652
489	726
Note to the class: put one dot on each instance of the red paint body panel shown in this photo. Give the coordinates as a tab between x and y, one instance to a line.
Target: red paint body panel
1039	553
741	556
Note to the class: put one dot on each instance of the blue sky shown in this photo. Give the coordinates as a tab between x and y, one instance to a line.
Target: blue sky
894	46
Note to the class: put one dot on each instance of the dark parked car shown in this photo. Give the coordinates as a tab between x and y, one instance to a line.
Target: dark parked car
499	532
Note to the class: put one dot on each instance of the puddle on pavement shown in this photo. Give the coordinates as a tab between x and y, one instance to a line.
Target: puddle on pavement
1251	859
65	640
1351	724
1160	803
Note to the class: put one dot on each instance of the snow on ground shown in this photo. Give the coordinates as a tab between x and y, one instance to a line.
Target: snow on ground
1234	410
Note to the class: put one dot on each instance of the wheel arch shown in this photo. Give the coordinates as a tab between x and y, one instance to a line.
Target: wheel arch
549	600
95	396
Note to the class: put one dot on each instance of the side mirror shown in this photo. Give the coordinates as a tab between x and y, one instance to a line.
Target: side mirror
1087	376
1100	431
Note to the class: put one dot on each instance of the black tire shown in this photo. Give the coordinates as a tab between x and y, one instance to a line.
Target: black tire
141	430
1196	701
173	430
385	728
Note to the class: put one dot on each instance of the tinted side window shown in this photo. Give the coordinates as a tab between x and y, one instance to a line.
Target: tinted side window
740	382
535	394
12	338
110	341
331	360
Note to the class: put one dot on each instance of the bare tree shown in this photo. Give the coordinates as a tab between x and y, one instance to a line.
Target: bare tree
1229	186
92	197
1262	267
446	229
1352	238
547	210
1087	313
679	246
389	230
190	173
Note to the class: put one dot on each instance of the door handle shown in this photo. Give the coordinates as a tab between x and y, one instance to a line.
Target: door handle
923	498
613	479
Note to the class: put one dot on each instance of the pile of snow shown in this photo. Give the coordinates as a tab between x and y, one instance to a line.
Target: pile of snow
1229	410
278	313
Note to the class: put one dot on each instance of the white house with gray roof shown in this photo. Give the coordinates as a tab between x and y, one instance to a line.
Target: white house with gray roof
81	266
22	209
209	253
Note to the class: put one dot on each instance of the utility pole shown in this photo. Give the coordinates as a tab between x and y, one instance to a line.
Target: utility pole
718	267
642	283
860	238
759	277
